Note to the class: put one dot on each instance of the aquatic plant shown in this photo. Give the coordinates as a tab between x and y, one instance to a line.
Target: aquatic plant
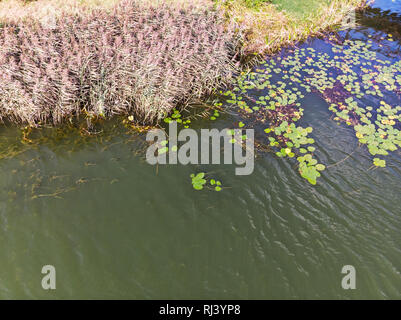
216	184
199	180
177	116
352	80
379	162
138	58
361	74
215	115
280	109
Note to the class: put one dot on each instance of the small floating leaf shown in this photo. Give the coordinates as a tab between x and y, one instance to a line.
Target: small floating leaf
200	175
379	162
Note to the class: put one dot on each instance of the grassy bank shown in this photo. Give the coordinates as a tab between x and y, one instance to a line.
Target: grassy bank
60	59
268	25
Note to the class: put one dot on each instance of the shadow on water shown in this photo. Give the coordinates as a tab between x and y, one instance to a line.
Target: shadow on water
387	22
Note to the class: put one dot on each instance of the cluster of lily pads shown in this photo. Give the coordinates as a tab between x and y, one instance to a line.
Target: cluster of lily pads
278	110
215	111
177	116
373	127
199	181
352	78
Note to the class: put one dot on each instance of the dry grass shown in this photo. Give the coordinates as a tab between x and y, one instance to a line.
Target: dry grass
137	58
46	10
268	29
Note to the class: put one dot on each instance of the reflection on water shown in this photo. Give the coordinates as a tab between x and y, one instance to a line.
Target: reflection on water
387	6
386	20
115	227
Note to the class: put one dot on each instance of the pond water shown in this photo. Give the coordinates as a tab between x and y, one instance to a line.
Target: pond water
116	227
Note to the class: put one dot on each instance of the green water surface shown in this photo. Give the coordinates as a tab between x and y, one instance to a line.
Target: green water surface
116	227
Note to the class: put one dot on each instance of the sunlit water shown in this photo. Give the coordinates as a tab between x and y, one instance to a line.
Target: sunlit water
116	227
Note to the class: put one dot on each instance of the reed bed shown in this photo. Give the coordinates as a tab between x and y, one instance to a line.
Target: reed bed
135	58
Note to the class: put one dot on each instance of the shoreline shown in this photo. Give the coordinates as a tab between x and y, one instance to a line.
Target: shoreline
269	28
23	102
